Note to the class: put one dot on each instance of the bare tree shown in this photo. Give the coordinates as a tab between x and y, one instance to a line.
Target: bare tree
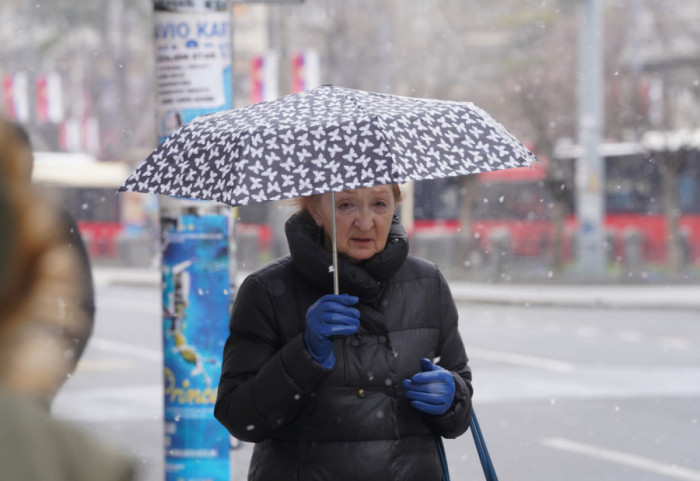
518	60
678	36
540	71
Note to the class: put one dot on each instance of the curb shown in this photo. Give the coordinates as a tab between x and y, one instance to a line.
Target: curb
593	296
103	277
601	296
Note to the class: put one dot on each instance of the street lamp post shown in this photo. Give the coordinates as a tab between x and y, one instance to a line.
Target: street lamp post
590	171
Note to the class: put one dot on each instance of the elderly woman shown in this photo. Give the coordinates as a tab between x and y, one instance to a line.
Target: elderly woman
351	386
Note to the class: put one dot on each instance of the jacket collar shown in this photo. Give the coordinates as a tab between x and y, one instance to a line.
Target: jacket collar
305	241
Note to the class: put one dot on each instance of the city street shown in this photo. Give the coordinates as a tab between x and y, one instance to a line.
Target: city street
545	155
561	393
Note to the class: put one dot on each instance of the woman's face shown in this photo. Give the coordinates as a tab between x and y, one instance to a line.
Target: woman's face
363	220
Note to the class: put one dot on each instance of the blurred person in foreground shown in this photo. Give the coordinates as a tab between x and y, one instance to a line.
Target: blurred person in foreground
350	386
69	237
38	283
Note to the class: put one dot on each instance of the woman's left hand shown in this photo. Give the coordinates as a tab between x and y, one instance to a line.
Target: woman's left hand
431	390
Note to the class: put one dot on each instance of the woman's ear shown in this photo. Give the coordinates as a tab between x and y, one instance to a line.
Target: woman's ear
316	217
314	211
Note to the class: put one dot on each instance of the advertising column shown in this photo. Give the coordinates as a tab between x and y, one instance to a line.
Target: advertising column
193	78
193	63
196	302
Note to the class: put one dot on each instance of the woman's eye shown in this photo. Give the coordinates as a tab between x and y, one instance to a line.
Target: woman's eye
344	205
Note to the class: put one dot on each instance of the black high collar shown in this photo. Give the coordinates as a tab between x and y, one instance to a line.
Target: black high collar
363	279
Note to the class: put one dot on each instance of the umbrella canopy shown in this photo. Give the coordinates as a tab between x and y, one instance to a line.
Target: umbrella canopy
325	139
328	139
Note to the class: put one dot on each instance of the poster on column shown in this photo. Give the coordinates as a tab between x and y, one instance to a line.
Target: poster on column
193	66
195	315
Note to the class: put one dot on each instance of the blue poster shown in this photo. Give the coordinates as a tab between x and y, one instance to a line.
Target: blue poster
196	301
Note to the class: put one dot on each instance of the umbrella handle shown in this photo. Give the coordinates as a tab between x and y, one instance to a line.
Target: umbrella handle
336	287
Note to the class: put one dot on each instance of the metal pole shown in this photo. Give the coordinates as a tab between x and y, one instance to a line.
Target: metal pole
590	172
386	45
32	70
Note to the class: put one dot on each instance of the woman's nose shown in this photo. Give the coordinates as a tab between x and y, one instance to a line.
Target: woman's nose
364	220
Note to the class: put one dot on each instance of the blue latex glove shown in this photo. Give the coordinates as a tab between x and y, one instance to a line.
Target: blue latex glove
329	316
431	390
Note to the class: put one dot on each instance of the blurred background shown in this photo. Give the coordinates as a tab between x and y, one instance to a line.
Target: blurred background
601	382
81	78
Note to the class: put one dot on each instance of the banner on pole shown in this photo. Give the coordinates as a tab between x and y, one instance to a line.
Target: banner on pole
306	70
49	98
196	303
264	85
15	96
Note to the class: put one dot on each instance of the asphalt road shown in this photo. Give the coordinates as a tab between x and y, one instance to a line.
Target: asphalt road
561	393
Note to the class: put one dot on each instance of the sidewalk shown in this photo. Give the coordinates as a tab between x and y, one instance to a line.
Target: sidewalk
615	295
609	295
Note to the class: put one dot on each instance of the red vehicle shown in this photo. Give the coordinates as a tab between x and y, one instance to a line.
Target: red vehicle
518	201
513	201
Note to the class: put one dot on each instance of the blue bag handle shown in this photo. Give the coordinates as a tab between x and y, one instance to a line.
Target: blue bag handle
443	458
484	457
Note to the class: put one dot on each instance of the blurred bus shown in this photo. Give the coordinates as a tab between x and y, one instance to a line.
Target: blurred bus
86	188
519	202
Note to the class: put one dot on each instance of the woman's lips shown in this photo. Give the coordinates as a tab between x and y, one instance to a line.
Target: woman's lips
361	240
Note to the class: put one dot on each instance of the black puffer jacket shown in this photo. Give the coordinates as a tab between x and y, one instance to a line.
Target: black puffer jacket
351	422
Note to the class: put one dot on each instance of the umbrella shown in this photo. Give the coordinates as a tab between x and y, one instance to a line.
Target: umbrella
327	139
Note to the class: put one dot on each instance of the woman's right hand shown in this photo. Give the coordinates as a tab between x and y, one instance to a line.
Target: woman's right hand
330	316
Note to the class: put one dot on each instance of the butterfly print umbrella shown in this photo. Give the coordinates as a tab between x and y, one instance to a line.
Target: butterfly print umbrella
326	139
